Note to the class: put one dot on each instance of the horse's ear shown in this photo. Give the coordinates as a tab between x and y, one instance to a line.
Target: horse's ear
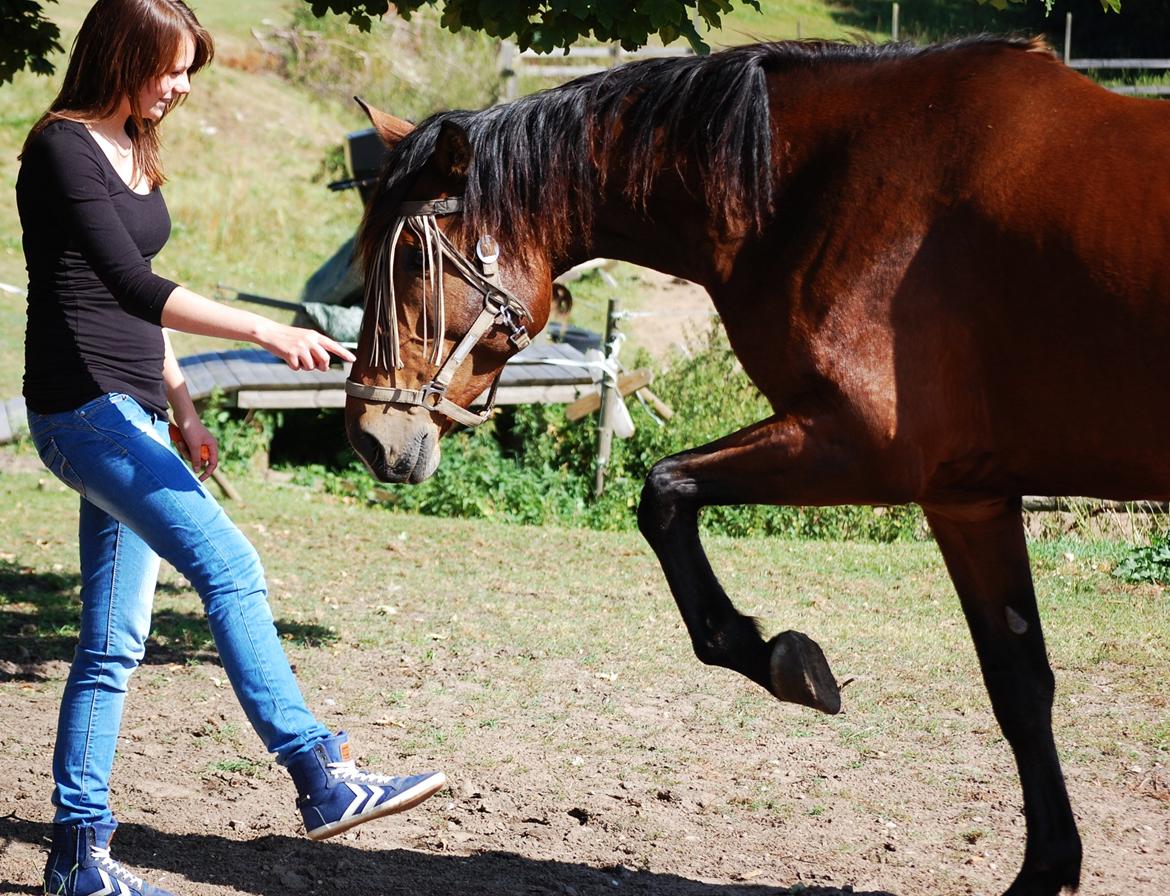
452	151
389	128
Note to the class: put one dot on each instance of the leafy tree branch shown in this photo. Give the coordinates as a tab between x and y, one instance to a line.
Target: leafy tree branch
29	39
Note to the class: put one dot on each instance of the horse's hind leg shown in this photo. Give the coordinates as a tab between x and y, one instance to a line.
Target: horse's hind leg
987	557
777	461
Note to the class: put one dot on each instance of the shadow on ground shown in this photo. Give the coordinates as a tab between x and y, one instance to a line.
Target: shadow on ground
39	618
280	866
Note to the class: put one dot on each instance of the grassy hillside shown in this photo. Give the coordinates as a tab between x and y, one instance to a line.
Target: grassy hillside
245	156
250	152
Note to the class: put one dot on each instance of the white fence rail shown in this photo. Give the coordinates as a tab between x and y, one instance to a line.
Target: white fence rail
577	62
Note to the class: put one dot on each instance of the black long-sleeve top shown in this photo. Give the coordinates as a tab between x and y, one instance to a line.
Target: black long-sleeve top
94	304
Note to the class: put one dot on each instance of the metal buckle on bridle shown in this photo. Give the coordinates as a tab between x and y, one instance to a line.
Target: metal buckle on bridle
518	337
487	250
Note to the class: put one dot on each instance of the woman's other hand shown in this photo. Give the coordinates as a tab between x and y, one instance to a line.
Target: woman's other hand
195	442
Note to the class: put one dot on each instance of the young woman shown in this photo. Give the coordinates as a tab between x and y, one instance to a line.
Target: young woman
99	377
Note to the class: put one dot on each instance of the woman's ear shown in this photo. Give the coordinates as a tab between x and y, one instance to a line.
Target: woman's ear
389	128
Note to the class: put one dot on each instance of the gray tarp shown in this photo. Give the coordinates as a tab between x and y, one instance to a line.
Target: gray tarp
332	298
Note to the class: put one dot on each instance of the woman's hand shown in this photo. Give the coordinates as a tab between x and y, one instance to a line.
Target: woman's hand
196	443
301	349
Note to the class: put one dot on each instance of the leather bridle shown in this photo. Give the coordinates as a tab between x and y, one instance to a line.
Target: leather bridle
500	308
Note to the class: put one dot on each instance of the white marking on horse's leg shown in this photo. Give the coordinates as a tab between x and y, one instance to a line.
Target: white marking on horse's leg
1016	622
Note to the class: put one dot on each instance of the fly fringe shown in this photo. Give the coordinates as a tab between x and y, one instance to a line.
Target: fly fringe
382	300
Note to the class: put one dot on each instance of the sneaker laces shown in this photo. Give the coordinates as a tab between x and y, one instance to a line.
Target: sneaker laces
348	771
116	871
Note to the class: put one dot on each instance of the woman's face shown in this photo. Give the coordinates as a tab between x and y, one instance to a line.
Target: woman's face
156	97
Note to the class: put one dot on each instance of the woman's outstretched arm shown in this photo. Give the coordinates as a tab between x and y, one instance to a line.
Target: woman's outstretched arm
300	349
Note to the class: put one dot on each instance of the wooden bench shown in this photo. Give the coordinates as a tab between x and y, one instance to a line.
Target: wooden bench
544	373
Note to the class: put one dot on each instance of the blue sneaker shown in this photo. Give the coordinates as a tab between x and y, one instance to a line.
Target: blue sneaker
333	795
80	865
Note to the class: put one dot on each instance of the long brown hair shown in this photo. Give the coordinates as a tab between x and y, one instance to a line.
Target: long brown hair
122	46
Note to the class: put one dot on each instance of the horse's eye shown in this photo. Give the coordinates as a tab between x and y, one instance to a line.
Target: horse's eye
414	258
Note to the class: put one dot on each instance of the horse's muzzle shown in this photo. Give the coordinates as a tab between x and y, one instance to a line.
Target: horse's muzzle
395	447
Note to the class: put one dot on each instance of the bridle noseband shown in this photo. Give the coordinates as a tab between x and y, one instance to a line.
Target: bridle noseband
500	308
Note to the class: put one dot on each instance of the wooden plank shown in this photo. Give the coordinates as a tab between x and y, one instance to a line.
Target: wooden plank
200	380
518	375
508	395
574	53
545	376
334	376
335	398
538	351
560	71
249	370
1143	90
279	374
627	383
290	398
224	378
1119	63
527	368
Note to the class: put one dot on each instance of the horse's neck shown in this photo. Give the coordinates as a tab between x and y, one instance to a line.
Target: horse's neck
669	236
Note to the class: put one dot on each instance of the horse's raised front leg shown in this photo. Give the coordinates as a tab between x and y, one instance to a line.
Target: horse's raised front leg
781	460
987	557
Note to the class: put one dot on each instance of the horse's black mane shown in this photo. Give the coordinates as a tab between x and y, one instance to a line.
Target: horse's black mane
540	162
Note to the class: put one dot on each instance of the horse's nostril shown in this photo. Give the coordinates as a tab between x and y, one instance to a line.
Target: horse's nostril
373	451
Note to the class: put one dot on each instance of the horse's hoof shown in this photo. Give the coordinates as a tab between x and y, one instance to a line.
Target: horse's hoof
1050	882
801	674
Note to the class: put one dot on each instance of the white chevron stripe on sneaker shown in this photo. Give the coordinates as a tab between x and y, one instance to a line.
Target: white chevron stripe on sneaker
359	797
375	795
108	886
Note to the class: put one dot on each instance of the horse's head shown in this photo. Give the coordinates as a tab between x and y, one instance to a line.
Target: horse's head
445	308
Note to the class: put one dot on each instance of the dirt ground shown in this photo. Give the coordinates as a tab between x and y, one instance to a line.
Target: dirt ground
671	314
522	817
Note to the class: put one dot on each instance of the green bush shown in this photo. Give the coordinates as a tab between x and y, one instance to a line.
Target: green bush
530	465
1149	564
243	437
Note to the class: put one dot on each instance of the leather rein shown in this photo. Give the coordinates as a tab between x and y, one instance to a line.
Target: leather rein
500	308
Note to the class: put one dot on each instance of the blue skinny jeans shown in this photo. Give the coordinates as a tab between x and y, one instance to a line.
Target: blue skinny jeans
140	502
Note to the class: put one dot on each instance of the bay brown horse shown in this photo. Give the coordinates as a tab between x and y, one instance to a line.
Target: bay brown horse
947	268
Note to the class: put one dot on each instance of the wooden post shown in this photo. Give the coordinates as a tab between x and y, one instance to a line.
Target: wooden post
1067	37
894	24
609	394
508	63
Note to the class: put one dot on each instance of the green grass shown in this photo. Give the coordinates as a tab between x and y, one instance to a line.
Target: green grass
436	594
778	20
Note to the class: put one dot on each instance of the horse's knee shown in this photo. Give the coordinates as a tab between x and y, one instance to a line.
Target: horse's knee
664	492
